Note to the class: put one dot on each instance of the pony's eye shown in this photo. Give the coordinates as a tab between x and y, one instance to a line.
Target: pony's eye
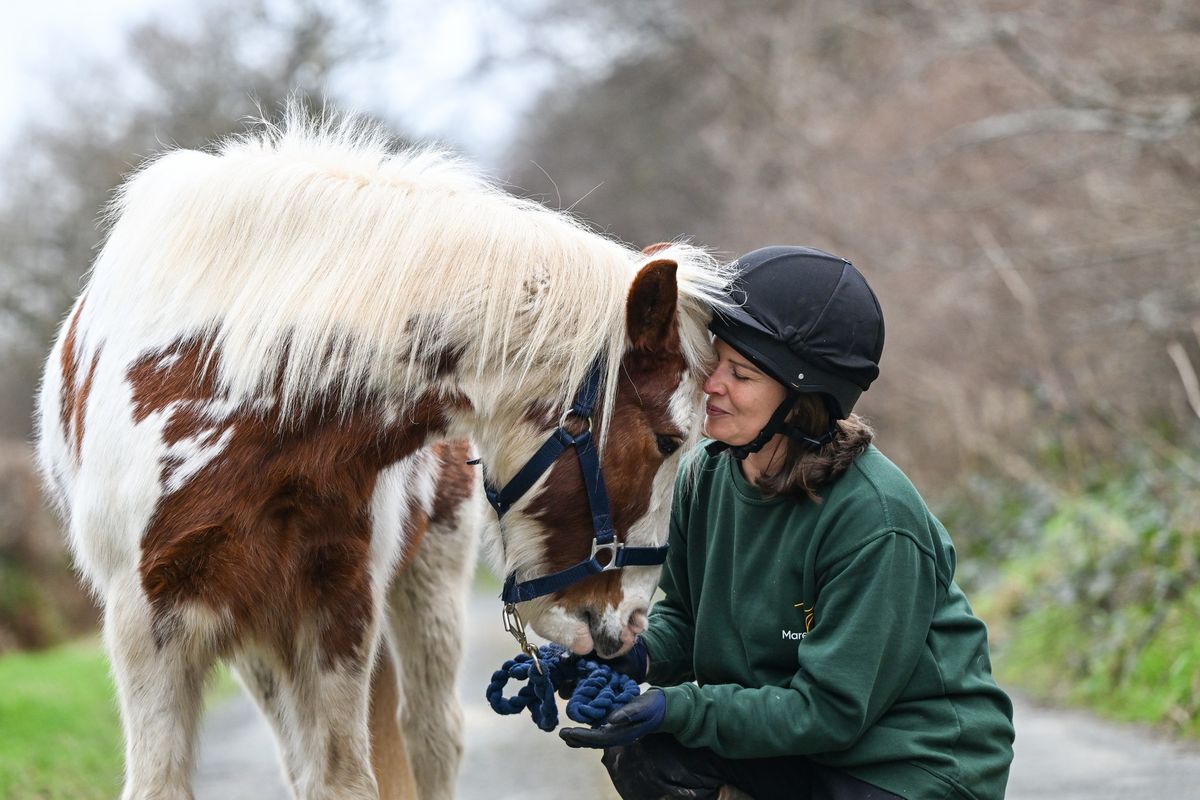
667	444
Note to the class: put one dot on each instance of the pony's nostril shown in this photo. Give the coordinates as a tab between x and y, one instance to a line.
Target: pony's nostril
606	644
637	622
605	641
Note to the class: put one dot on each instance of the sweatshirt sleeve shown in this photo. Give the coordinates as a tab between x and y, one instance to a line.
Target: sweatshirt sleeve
670	634
874	610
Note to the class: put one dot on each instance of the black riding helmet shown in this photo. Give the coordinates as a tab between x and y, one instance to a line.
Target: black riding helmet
809	320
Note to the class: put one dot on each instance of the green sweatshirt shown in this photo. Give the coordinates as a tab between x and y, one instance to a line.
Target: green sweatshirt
831	630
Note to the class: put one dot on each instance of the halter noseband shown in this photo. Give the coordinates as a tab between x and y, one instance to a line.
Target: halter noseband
604	537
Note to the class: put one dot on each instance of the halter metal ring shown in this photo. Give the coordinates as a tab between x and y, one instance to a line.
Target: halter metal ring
613	549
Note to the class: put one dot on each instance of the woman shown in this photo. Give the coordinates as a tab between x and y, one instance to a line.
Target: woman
811	641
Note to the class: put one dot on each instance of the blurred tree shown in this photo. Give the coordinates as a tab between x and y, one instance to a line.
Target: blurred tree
1019	181
633	152
187	82
619	137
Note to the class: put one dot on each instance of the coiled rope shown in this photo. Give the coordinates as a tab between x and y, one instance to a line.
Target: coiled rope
598	689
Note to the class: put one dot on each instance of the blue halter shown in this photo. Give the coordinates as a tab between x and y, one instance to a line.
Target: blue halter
604	537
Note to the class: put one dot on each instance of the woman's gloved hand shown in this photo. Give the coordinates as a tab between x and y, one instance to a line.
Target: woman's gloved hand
641	716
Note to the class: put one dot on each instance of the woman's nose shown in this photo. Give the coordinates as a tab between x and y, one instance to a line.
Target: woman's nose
711	384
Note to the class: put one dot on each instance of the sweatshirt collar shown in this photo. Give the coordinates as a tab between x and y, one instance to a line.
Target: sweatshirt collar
746	491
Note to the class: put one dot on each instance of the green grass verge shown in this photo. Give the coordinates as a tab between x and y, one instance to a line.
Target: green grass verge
60	735
59	731
1150	673
1091	587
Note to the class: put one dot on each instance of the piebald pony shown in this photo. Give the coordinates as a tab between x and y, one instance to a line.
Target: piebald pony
252	423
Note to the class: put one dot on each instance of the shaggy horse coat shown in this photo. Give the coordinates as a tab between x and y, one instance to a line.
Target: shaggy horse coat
254	419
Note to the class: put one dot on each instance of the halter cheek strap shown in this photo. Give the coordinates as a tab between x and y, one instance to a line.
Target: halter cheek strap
604	538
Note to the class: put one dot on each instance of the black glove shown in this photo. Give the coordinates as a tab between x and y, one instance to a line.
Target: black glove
639	717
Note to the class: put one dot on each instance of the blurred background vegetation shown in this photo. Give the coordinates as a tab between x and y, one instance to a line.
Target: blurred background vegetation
1019	180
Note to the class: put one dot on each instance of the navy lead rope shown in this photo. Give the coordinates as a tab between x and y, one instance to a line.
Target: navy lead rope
599	690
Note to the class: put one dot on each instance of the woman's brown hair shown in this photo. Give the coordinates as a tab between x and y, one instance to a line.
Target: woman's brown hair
802	470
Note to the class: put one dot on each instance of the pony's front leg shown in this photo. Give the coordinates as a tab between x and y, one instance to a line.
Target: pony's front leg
159	673
427	624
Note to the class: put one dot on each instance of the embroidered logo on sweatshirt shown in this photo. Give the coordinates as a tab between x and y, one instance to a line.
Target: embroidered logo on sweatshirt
809	615
809	612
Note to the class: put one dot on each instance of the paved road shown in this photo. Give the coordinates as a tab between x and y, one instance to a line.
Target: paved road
507	758
1061	755
1071	755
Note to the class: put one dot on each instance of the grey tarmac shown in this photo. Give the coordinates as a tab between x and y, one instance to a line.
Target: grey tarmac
1060	754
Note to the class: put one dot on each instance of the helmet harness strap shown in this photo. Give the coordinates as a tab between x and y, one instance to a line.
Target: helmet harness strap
776	424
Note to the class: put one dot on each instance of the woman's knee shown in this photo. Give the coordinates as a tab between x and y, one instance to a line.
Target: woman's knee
658	766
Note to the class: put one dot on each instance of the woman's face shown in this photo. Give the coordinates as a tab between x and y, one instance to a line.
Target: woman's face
741	398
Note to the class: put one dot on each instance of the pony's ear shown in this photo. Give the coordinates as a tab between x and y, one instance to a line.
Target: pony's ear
651	249
650	310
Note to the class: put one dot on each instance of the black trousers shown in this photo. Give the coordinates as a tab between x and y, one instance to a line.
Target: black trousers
659	766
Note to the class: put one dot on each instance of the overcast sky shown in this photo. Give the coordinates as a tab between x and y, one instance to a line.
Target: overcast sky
35	34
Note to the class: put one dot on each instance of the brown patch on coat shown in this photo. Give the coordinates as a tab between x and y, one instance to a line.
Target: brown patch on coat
69	367
181	372
650	373
443	362
439	362
454	482
455	479
416	525
73	396
276	529
81	401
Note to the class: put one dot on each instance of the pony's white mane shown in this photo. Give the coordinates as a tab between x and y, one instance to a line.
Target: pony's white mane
318	246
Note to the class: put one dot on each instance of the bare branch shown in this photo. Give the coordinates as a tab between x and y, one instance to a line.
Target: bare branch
1010	44
1068	120
1191	386
1004	266
1017	285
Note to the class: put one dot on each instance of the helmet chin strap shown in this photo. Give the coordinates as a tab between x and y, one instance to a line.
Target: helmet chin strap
775	425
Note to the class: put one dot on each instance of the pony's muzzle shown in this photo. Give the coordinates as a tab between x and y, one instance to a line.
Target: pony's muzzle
612	636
